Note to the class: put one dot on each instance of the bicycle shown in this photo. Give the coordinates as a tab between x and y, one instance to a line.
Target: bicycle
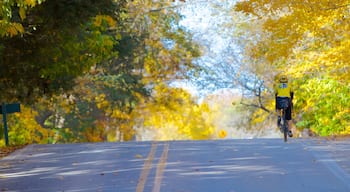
283	124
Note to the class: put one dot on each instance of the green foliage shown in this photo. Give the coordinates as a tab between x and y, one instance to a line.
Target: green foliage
62	40
324	103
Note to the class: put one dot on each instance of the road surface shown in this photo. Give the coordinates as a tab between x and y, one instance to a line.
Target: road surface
263	165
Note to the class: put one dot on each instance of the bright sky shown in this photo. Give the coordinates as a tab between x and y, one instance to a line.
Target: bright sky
202	20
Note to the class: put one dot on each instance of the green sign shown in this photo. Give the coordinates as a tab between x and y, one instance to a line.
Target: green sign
11	108
4	110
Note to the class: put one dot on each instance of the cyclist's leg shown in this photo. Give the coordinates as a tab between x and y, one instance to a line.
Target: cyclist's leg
278	111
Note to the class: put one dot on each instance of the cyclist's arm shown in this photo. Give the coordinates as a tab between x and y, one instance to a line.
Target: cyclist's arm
276	94
291	98
276	100
292	92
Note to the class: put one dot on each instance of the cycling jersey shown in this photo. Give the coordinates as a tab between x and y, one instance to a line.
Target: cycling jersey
284	90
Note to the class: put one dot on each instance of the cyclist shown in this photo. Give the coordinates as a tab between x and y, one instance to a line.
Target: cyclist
284	94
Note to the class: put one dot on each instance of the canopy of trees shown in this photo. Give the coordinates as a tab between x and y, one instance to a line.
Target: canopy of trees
309	41
46	44
82	69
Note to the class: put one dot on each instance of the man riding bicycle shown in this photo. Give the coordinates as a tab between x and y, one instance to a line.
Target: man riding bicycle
284	94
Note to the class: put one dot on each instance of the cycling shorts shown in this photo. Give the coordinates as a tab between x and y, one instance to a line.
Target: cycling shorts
285	102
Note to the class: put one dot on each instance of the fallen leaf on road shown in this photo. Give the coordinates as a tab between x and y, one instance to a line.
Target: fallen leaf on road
138	156
5	151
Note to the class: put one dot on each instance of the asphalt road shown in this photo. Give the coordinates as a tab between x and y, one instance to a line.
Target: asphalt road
263	165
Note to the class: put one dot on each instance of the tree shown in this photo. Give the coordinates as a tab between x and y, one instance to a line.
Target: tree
23	129
148	48
60	40
12	13
224	34
307	41
172	114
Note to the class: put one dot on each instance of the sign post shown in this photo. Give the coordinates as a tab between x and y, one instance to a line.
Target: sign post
4	110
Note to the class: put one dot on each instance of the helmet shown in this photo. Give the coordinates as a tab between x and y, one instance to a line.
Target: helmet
283	79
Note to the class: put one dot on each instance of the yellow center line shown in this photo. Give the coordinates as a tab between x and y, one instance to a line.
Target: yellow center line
146	168
160	168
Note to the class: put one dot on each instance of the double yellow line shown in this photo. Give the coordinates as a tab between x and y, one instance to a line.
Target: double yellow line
148	166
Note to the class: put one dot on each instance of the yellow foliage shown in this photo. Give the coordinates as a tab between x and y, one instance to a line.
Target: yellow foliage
101	101
14	29
312	38
22	13
30	3
174	115
23	129
222	134
99	20
120	114
9	28
95	134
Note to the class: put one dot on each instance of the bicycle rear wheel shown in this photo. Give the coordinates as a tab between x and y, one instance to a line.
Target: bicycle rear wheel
284	126
285	134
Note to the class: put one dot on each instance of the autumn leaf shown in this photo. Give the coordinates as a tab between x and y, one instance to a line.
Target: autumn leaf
138	156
